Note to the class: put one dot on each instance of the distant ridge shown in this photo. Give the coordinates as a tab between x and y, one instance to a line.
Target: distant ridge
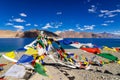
7	34
26	34
73	34
66	34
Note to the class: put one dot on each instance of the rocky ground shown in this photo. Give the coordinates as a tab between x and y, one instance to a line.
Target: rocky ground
109	71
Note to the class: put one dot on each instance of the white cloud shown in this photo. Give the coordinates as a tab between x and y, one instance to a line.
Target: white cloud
89	27
18	20
47	26
52	25
58	32
92	9
109	21
109	13
117	10
116	32
28	24
112	15
79	28
9	24
101	15
23	15
19	27
35	25
85	27
104	11
59	13
68	30
104	24
57	25
71	30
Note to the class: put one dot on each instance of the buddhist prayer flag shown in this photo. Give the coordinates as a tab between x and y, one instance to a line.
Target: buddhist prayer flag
10	54
31	51
25	59
40	69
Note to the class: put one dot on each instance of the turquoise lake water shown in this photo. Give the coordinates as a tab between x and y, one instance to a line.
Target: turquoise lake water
9	44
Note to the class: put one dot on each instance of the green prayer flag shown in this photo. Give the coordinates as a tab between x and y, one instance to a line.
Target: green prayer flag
0	55
40	69
108	56
41	43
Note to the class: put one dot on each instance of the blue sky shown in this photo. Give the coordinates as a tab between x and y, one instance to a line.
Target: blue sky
61	15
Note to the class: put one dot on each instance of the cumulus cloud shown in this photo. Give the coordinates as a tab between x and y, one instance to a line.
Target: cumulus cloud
68	30
85	27
35	25
71	30
23	15
116	32
57	25
28	24
109	21
58	31
59	13
79	28
92	9
112	15
89	27
104	11
109	13
101	15
104	24
47	26
9	24
19	27
18	20
53	25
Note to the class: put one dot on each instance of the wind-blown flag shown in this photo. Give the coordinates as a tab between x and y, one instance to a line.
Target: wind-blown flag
108	56
10	54
2	65
21	49
31	51
0	55
25	59
40	69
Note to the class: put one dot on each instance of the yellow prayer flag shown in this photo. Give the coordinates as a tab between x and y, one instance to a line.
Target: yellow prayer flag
31	51
118	62
10	54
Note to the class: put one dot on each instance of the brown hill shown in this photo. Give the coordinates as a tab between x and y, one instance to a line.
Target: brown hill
26	34
35	33
7	34
67	34
73	34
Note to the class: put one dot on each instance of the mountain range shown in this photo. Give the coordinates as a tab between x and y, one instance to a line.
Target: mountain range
66	34
25	34
73	34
